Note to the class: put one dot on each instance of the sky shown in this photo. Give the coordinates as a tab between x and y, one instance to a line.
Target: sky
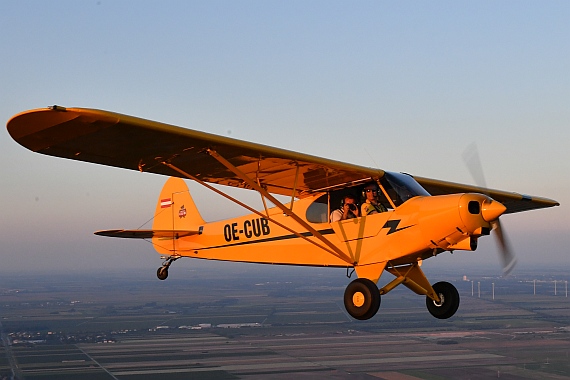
403	86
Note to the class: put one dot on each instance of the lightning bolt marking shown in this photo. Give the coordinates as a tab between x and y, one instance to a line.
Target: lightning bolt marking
393	226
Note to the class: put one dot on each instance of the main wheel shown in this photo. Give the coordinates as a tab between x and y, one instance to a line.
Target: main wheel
162	273
362	299
449	300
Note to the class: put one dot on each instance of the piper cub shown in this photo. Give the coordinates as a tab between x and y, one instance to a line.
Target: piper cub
339	215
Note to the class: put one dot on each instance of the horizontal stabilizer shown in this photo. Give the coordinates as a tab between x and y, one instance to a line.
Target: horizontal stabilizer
146	234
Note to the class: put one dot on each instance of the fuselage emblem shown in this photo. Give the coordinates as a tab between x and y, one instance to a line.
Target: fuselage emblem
393	226
182	212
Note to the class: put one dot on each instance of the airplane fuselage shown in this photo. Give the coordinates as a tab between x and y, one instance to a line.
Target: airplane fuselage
421	227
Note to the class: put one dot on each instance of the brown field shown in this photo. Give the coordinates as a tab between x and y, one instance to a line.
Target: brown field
252	324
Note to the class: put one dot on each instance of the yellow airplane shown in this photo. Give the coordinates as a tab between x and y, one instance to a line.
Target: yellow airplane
417	217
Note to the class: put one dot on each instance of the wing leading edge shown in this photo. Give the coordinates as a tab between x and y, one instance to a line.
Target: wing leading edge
128	142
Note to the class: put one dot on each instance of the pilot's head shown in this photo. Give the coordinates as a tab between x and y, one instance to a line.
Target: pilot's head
370	191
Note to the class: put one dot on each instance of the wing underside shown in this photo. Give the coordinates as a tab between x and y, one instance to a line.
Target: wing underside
128	142
132	143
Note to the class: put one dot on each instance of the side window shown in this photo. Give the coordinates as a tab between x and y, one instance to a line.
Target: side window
318	210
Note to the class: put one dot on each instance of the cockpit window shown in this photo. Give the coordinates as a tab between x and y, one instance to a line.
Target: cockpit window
401	187
318	211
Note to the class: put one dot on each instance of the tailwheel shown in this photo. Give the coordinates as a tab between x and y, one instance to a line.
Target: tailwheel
449	300
362	299
162	273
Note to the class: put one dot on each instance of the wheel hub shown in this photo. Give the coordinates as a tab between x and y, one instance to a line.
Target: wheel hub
442	298
358	299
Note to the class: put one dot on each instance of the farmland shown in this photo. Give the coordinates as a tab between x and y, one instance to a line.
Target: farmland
248	323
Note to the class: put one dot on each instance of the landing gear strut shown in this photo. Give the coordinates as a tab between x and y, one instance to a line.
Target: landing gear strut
162	272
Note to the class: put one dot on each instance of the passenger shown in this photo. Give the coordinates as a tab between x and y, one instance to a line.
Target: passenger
371	205
348	209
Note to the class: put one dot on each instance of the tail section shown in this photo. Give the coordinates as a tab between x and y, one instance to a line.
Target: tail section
176	216
175	209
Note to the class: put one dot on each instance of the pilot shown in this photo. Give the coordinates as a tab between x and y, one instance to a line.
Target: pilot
348	209
371	205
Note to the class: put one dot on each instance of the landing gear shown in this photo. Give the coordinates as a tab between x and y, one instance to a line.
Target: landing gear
449	300
362	299
162	272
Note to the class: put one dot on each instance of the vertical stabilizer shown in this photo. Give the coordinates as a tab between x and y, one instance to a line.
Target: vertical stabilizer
175	209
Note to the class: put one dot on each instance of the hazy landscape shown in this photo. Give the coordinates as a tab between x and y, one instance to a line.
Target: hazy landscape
255	322
396	86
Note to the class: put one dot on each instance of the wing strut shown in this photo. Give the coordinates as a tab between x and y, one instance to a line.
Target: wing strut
294	186
340	254
210	187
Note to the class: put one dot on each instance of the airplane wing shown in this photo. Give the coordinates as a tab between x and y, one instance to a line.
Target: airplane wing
132	143
514	202
127	142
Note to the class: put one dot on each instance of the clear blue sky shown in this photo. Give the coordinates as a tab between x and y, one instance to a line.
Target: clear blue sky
405	86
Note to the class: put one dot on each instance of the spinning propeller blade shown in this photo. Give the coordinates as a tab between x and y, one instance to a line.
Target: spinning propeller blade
508	259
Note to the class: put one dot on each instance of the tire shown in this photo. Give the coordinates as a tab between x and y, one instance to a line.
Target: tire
162	273
449	297
362	299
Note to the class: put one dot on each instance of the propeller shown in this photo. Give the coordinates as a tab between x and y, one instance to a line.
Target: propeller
508	259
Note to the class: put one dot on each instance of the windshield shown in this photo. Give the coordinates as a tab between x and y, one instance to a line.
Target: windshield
402	187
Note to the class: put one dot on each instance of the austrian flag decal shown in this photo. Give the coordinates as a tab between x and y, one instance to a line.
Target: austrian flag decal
164	203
